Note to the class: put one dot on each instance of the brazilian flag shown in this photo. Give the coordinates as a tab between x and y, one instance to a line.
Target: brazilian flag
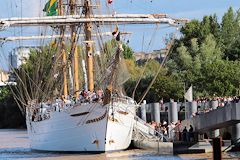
51	8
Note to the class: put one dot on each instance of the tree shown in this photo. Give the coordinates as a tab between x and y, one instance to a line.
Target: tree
204	53
168	87
5	92
190	30
205	27
11	116
127	52
39	77
214	26
209	50
229	33
222	78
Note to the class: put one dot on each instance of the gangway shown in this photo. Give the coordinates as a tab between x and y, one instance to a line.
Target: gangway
215	119
146	137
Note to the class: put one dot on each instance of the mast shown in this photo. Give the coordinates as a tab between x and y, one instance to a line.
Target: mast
75	59
89	50
64	56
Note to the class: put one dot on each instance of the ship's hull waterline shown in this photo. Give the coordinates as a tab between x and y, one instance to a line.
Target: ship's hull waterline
85	128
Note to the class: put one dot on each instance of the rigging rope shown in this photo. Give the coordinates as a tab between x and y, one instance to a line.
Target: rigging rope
145	66
169	45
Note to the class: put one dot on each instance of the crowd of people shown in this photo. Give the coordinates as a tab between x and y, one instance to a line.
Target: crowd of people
204	104
187	135
87	96
222	101
160	127
173	131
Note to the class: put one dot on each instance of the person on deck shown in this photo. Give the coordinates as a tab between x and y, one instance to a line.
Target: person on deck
191	134
184	134
99	94
107	95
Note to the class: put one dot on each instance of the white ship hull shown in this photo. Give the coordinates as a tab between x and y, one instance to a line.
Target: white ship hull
84	128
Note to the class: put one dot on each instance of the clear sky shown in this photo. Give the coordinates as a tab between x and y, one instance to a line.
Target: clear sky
153	35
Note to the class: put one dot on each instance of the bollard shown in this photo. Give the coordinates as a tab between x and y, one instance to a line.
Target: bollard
217	148
143	111
236	127
236	132
172	112
214	105
156	112
192	108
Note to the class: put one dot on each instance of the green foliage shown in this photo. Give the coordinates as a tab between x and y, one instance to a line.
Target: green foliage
110	46
144	83
191	30
128	52
228	29
152	67
209	51
222	78
11	116
5	92
207	55
39	76
168	87
133	69
146	74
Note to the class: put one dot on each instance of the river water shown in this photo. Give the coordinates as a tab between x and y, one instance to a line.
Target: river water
14	144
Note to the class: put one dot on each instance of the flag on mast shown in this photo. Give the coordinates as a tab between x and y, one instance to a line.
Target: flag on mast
51	7
189	94
110	1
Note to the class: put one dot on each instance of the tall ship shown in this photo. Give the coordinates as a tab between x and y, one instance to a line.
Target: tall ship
73	97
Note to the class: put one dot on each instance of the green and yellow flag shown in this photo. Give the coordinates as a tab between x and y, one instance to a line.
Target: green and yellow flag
51	7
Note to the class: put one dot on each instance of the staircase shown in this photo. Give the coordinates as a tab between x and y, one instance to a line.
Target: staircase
146	137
